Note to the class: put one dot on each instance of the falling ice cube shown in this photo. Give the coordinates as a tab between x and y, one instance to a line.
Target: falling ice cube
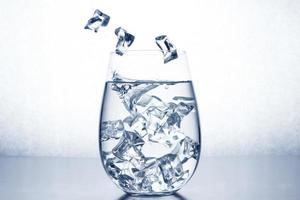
171	168
98	19
125	40
168	49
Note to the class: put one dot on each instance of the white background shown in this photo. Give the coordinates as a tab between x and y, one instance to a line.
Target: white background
244	58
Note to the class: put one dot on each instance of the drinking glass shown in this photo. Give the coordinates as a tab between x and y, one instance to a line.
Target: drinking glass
149	135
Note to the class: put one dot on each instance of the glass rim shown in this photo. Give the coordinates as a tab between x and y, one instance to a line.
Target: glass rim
146	52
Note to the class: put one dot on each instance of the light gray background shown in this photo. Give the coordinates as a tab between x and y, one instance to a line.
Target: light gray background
244	58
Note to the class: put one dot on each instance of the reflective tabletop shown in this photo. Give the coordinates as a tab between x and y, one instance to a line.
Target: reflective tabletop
43	178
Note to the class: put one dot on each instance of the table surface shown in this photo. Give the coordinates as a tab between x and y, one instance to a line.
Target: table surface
265	177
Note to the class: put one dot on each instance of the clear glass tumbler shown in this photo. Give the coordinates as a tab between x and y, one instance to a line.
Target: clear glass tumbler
149	134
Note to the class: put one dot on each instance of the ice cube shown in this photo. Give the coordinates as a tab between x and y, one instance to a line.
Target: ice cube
157	115
184	108
171	106
150	100
127	152
133	139
131	93
174	137
125	40
190	148
111	129
128	121
112	168
157	112
145	100
146	184
156	125
186	149
126	182
129	146
121	84
169	116
163	116
173	119
162	119
152	175
106	155
98	19
169	138
121	88
132	96
181	180
171	168
157	136
149	103
138	162
137	124
168	49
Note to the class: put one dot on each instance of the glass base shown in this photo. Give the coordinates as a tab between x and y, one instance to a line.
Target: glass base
157	194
